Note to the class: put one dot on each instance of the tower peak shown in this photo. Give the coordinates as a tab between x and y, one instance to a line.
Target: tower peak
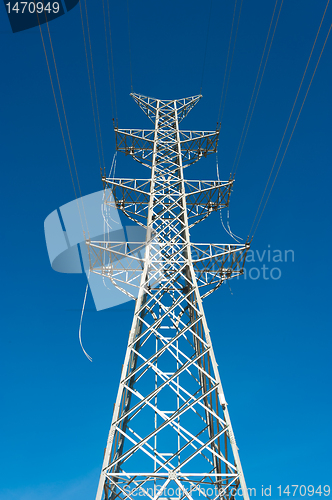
166	106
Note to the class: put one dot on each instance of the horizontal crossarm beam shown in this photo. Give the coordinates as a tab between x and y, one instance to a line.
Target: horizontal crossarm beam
202	197
139	144
123	262
214	263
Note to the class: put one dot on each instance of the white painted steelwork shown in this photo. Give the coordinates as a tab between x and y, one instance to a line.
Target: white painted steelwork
170	429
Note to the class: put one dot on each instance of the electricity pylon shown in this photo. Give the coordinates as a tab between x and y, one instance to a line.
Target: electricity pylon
171	434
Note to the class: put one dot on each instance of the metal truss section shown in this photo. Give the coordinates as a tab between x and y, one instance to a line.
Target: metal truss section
152	107
139	144
214	264
194	145
123	264
171	435
131	196
202	197
120	262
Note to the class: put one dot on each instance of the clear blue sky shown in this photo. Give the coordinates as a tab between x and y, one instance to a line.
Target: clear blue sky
272	337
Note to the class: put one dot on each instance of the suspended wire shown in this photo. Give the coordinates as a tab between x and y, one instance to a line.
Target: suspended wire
222	106
111	174
234	236
228	231
63	108
104	215
282	159
259	86
106	233
289	118
108	209
108	59
131	68
67	127
69	137
60	123
253	92
80	327
69	165
94	82
94	86
206	46
112	60
230	66
228	51
90	86
229	286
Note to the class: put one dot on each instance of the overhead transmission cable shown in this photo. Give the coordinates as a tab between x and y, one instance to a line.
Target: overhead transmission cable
228	229
112	60
283	156
206	46
233	172
129	41
94	86
227	74
289	118
228	51
90	86
81	319
247	125
108	59
61	127
230	66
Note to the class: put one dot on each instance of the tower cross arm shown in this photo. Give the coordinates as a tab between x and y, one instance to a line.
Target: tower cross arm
194	144
132	141
198	144
215	263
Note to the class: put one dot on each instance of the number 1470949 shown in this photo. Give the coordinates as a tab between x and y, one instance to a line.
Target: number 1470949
32	7
302	490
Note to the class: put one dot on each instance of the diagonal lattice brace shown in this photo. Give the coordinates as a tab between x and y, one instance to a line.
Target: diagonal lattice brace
213	263
151	106
131	196
170	424
139	144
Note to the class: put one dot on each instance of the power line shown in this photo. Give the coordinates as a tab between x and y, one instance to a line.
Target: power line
206	46
60	123
282	159
228	51
112	59
108	59
64	110
253	92
131	68
231	63
237	161
289	118
94	84
90	86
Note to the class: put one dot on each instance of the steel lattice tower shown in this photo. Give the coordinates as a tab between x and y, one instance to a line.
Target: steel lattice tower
171	434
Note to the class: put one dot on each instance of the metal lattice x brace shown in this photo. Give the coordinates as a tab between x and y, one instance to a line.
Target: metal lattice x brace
171	434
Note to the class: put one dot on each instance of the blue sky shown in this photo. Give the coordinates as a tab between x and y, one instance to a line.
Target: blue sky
272	338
